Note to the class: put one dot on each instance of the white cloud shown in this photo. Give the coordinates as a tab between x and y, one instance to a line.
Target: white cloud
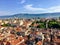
2	13
50	9
23	1
54	9
29	7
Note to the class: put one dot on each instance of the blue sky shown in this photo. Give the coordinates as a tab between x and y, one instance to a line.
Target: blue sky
8	7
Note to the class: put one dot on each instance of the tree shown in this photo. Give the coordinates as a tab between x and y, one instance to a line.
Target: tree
53	24
41	25
18	33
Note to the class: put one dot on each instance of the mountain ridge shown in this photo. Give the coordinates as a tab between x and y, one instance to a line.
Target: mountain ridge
23	15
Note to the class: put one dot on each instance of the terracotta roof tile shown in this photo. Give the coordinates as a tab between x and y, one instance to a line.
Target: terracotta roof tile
39	43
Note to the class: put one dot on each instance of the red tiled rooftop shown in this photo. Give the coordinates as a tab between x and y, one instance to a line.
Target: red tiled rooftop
57	40
15	41
39	43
